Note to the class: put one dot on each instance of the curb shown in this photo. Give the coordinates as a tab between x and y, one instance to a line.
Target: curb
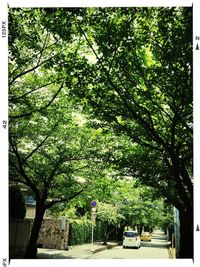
110	246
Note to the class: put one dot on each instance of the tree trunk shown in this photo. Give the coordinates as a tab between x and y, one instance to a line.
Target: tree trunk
31	252
109	232
186	233
105	234
120	233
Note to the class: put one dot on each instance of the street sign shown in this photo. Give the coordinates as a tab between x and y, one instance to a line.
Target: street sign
93	203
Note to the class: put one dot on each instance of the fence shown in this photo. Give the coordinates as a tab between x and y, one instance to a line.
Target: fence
19	232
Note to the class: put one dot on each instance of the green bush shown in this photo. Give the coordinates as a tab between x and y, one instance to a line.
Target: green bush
99	231
80	231
17	209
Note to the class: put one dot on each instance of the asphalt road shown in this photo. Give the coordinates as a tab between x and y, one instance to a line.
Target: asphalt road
130	253
156	249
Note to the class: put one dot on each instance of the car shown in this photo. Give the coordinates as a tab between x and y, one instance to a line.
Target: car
145	236
131	239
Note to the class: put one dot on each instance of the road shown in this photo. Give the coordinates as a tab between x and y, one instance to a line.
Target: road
156	249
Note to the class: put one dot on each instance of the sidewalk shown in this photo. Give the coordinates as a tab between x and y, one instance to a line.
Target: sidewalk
79	251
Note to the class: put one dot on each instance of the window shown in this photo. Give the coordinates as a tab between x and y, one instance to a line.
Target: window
129	234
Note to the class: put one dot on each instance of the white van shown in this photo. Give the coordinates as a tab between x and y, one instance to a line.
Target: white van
131	239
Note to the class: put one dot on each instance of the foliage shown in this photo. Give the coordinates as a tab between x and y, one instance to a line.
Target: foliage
135	206
126	204
141	85
90	100
99	231
109	213
17	209
80	232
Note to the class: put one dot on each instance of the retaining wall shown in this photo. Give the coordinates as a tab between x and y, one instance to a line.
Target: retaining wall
54	233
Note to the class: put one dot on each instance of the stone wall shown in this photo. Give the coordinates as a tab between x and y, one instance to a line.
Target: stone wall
54	233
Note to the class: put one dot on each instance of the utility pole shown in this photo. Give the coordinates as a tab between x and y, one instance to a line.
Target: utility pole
93	217
92	239
177	231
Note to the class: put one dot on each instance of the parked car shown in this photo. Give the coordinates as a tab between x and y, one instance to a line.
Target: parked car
145	236
131	239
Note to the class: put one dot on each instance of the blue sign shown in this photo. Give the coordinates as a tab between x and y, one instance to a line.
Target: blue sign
93	203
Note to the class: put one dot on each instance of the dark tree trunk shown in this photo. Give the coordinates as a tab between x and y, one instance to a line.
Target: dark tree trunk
109	233
105	234
185	189
120	233
186	234
31	252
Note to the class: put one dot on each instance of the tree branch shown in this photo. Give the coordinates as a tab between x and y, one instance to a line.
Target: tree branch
21	170
33	58
29	70
149	128
18	180
40	144
43	47
160	109
53	202
15	99
40	109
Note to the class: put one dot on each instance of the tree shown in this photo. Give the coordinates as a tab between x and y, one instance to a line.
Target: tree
53	159
110	216
141	84
50	146
138	207
122	203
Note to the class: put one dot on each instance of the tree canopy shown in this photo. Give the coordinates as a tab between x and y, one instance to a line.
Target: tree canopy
142	86
101	91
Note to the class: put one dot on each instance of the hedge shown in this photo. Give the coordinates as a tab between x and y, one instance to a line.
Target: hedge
80	232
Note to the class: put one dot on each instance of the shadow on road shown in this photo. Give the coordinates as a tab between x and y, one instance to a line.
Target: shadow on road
153	245
158	241
158	237
53	256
